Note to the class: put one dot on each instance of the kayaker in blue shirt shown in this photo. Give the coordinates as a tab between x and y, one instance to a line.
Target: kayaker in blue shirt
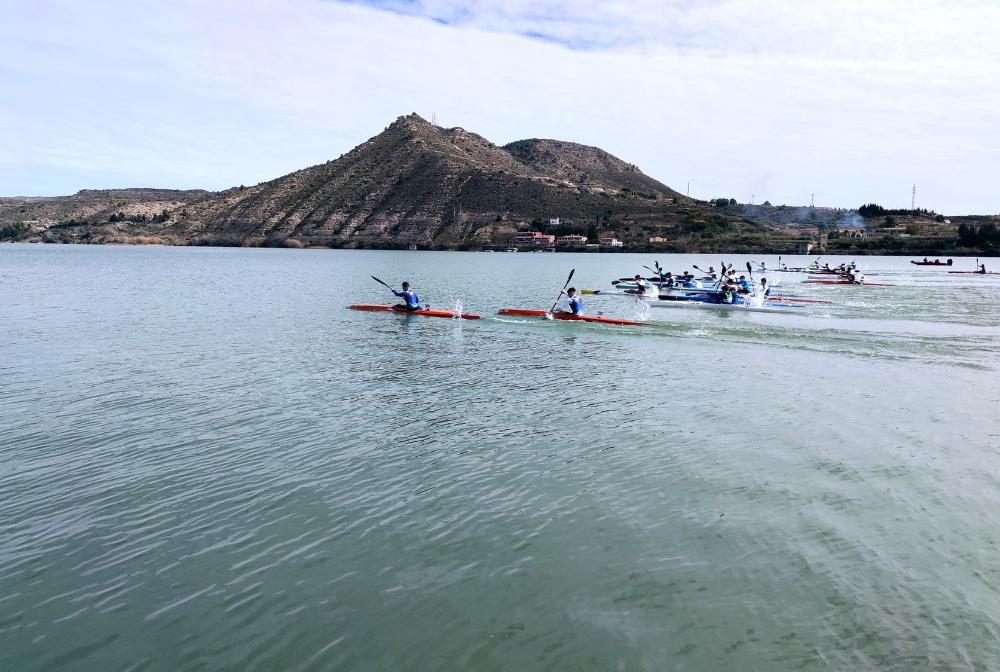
575	303
744	284
409	296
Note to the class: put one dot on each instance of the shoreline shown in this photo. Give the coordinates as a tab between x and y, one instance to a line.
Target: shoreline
953	253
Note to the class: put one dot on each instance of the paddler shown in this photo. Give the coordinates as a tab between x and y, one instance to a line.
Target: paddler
765	290
743	285
575	303
644	288
410	298
982	269
724	295
856	277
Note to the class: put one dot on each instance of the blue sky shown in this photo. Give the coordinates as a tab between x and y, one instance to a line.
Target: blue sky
853	101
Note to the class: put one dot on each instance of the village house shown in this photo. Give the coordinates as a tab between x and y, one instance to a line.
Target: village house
536	238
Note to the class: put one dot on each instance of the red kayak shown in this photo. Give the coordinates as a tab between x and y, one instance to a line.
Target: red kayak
570	317
845	282
973	273
423	311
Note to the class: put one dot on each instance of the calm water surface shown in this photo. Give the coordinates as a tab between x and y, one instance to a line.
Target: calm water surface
208	463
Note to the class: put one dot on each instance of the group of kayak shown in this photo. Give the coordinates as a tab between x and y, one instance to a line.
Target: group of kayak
725	288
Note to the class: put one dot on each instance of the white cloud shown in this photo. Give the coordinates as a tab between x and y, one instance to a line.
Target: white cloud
853	101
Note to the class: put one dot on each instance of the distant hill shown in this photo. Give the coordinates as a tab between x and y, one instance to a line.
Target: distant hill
447	188
414	183
104	215
418	183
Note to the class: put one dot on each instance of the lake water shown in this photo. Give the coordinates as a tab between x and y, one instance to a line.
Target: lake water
208	463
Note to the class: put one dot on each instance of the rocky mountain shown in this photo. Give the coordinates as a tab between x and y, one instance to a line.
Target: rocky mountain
414	183
418	183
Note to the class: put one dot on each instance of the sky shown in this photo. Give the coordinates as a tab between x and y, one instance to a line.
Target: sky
853	101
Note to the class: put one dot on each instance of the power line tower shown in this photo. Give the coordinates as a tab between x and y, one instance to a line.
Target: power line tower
913	198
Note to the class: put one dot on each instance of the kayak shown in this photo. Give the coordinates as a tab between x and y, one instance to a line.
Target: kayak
771	300
973	273
426	312
930	263
612	292
795	299
570	317
780	308
845	282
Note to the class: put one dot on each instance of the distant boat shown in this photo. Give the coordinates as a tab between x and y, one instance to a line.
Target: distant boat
413	247
936	262
511	249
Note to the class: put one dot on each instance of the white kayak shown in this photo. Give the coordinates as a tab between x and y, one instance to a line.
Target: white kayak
737	307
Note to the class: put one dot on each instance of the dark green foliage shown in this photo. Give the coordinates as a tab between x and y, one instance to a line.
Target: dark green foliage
870	210
626	192
121	217
13	231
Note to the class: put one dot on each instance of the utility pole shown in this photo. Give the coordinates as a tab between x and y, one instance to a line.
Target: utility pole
913	198
689	190
812	200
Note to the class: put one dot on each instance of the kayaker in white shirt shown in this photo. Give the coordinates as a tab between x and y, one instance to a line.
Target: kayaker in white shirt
645	288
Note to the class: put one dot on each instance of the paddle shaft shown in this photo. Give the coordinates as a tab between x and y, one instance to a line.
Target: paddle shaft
383	283
556	302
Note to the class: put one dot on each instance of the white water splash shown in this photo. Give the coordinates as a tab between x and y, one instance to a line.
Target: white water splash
642	310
